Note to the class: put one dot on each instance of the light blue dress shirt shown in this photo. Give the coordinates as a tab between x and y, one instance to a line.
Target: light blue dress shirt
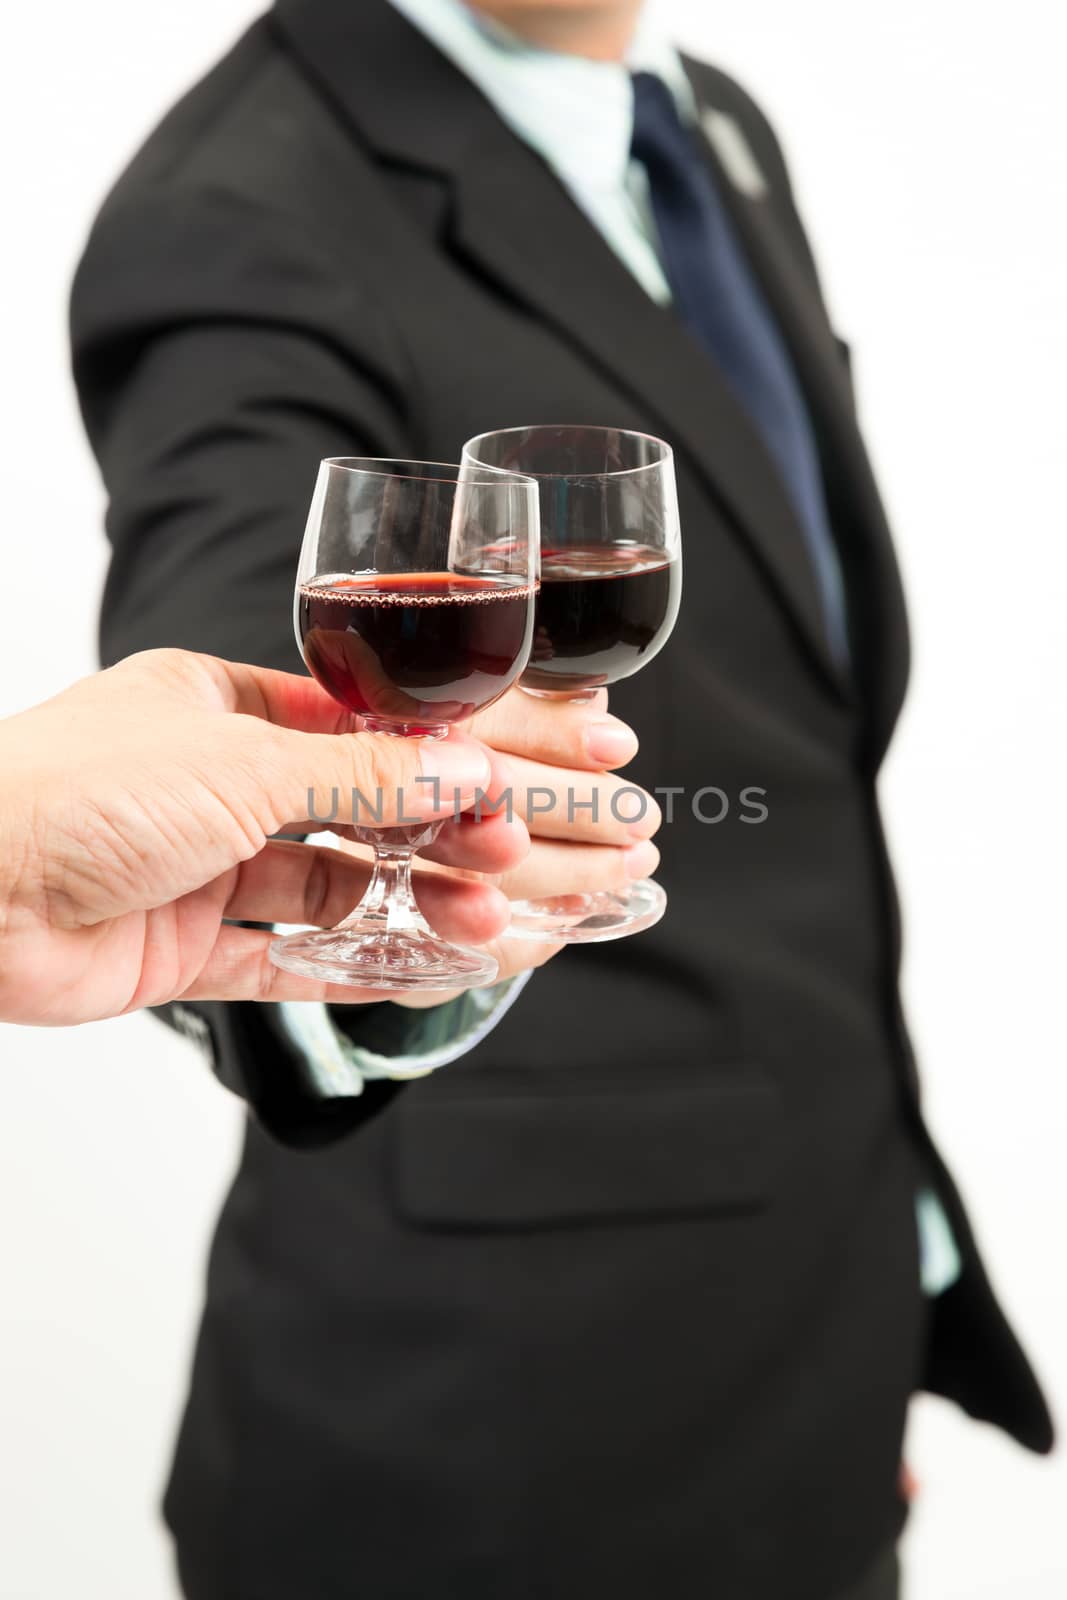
578	115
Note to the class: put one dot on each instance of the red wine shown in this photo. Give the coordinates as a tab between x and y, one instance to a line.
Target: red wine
602	612
415	649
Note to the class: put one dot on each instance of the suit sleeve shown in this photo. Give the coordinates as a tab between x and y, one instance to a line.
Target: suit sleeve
217	361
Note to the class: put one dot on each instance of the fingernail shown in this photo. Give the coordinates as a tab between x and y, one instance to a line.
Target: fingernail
459	765
610	743
640	860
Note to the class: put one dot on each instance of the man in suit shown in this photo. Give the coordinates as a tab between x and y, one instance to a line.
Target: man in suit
629	1299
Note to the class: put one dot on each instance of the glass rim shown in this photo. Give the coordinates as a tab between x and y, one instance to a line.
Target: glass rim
667	452
365	466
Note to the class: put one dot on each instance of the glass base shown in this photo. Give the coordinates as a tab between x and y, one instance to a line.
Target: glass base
588	918
363	954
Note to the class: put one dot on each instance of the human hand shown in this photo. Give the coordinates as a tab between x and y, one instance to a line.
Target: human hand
588	829
136	810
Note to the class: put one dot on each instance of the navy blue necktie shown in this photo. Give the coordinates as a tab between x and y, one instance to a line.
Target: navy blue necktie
716	294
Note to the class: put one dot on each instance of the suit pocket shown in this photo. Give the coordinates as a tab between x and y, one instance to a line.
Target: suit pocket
548	1151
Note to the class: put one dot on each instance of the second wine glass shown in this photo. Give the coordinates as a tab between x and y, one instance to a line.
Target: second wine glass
611	573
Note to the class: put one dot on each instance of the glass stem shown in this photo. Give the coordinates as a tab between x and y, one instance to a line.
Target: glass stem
390	896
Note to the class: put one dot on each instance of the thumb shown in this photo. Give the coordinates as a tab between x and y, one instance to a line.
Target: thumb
377	779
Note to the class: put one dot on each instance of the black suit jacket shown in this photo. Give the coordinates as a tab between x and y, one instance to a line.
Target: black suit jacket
626	1302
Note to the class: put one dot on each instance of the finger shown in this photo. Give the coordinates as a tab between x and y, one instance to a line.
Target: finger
579	807
371	780
558	732
554	868
286	699
317	885
317	765
490	843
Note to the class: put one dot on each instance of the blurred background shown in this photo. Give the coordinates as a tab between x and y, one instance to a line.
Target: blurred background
927	146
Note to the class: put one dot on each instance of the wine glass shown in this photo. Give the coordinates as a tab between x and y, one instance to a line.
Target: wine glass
611	577
414	609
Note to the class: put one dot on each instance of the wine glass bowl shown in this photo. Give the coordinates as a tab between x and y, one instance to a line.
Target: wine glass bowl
610	590
610	550
413	596
412	653
414	609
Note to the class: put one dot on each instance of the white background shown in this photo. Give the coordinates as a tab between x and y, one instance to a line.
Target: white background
928	145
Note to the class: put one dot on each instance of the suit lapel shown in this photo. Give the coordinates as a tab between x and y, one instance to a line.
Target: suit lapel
516	223
525	231
876	601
